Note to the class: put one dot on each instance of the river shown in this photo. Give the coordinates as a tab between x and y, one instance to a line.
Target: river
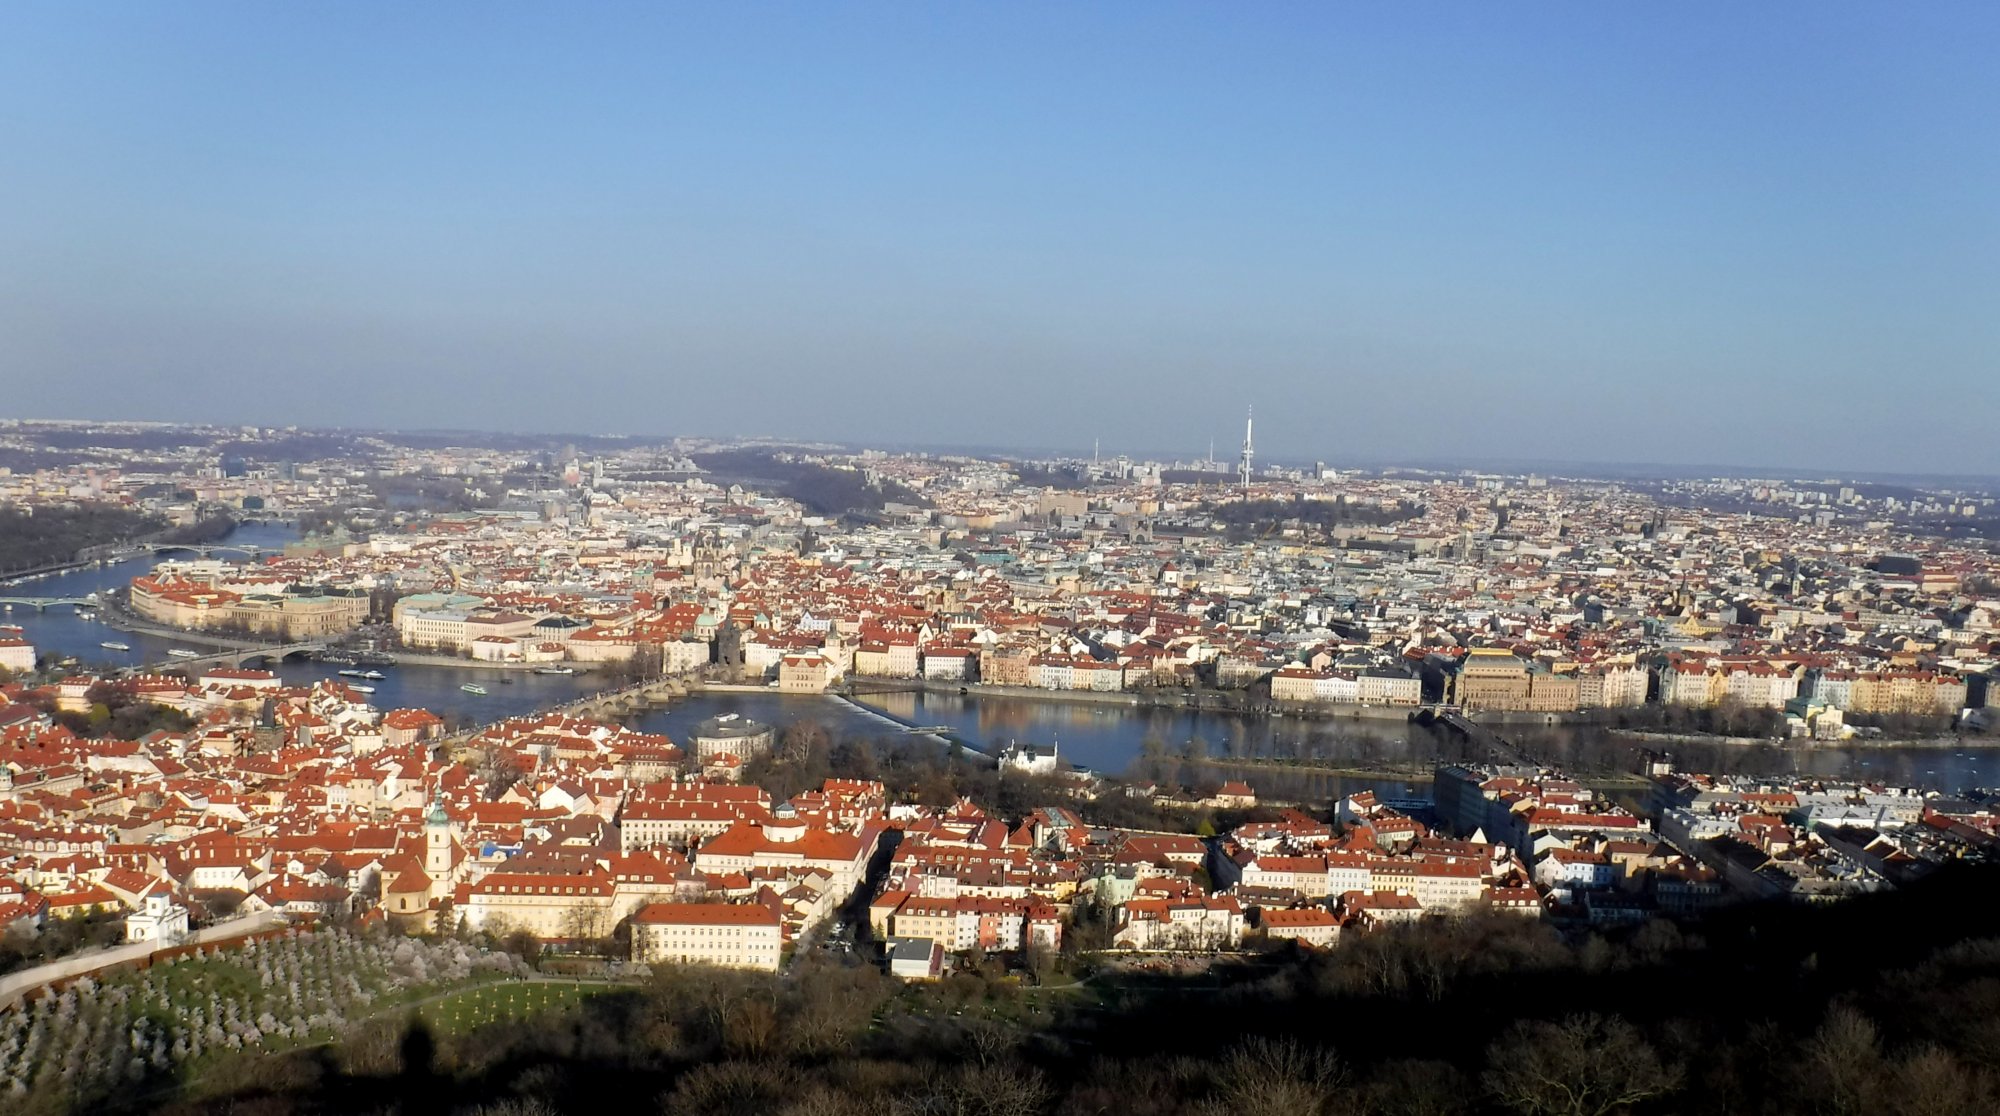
1110	737
59	629
1104	737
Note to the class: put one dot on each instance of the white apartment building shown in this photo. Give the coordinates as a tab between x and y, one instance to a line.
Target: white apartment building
1389	689
736	936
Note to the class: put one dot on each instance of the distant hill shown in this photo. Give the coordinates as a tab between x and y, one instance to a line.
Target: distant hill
823	490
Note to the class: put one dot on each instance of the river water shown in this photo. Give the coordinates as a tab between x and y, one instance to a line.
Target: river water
1104	737
59	629
1109	737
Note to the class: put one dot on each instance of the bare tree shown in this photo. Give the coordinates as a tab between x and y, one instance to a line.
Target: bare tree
1586	1065
750	1026
1278	1077
1418	1088
732	1086
980	1091
991	1043
1842	1064
583	927
799	740
498	771
1931	1082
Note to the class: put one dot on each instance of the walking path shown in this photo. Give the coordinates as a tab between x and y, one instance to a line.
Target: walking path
15	985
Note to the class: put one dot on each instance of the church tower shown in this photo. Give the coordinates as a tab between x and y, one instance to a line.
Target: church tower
437	841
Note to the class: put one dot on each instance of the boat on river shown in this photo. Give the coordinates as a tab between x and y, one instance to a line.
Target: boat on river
182	653
111	645
555	670
474	688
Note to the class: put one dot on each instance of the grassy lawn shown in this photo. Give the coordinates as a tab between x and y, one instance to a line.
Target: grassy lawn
493	1003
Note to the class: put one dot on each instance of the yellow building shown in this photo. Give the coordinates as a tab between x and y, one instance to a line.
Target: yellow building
809	673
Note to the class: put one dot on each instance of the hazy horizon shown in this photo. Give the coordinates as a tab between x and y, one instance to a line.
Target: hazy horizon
1698	236
1592	469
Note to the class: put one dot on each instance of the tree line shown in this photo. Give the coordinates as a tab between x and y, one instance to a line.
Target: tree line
49	534
1247	519
822	490
1886	1004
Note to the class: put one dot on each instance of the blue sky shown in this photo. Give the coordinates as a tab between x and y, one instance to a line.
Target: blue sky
1748	234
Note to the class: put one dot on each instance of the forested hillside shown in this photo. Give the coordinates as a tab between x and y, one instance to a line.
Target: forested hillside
822	490
1889	1004
51	534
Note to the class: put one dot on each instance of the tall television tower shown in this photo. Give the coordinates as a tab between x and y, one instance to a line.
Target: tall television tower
1243	466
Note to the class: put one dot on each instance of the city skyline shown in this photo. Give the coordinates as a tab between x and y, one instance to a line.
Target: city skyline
303	733
1097	450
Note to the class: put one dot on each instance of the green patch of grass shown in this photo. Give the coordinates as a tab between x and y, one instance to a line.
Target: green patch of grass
495	1003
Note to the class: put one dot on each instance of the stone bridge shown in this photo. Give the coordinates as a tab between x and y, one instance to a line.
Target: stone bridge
205	550
623	702
245	656
41	603
627	700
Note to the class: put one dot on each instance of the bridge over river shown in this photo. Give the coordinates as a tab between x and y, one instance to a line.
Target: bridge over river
1497	748
205	550
246	656
43	604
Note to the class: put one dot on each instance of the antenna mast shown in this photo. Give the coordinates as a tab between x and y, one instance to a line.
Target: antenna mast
1249	451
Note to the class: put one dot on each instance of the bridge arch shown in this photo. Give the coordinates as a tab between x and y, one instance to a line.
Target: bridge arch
205	550
264	657
49	602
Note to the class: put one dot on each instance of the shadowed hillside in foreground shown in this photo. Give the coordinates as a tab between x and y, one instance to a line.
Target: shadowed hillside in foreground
1885	1004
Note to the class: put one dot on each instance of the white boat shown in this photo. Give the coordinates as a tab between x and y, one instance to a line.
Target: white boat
555	670
353	673
108	645
362	689
183	653
373	675
473	688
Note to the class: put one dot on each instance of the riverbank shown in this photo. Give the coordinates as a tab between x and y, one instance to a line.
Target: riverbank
115	615
412	658
1959	742
22	577
1192	701
868	687
47	538
1393	772
1411	773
